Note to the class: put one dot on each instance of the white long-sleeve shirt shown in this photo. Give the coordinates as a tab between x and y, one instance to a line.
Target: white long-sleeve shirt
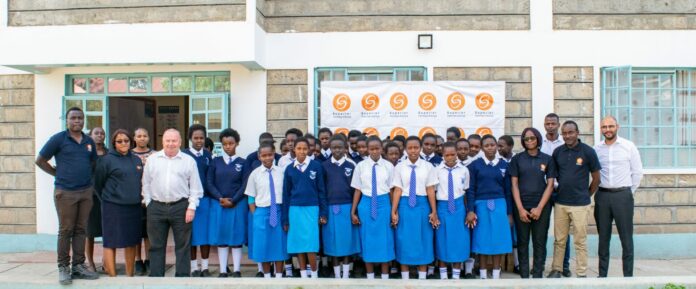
621	164
170	179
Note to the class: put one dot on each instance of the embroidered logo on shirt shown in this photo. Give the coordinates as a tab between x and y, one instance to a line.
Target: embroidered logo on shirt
238	167
578	161
349	171
312	175
543	167
89	147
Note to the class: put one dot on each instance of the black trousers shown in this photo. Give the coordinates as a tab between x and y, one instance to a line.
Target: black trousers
161	217
614	206
539	230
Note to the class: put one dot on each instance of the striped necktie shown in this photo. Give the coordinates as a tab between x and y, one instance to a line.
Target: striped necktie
412	188
273	218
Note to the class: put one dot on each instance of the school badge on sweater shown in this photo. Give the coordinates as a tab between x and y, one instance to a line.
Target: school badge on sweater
238	167
312	175
348	172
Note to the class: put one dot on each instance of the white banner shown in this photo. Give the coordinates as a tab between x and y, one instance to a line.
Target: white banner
413	108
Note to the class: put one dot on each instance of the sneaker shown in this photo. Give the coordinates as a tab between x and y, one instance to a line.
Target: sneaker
64	276
196	273
222	275
258	275
80	271
554	274
140	268
566	273
205	273
239	274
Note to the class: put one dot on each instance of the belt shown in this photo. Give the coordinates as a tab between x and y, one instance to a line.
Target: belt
614	190
171	203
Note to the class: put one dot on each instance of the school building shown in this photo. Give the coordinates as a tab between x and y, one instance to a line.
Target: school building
258	65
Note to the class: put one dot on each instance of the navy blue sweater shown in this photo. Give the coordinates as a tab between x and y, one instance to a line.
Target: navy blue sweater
117	178
225	180
435	160
488	182
202	163
304	188
338	178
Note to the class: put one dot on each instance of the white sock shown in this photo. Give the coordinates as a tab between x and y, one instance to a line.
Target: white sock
194	265
267	275
422	274
315	274
337	272
385	276
443	273
309	269
469	266
346	271
237	259
223	252
404	275
204	264
303	274
260	266
279	275
515	256
456	273
496	273
288	270
393	270
483	273
370	276
431	270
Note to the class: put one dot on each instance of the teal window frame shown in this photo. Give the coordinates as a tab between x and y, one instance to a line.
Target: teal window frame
663	130
398	73
192	93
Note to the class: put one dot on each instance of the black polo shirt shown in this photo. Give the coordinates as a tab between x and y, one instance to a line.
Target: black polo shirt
73	160
532	172
574	166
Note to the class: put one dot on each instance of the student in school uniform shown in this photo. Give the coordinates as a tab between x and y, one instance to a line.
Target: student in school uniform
462	151
429	147
452	240
201	221
489	205
142	149
228	207
393	153
361	149
341	239
353	136
94	225
505	145
414	212
324	136
291	135
371	209
439	141
304	208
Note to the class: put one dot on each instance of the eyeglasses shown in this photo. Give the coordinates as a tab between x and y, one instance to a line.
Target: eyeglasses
530	138
122	141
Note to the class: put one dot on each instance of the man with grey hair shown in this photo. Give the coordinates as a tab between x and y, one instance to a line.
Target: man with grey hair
620	176
171	191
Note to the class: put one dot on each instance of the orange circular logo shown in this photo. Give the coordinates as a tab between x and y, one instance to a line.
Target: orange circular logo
456	101
398	101
370	131
398	131
461	131
484	131
341	130
370	101
426	130
341	102
427	101
484	101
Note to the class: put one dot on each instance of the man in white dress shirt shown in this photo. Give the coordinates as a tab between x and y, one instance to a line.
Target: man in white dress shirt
620	176
171	192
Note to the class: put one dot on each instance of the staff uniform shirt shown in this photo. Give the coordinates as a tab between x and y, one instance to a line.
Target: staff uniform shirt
73	160
532	173
574	167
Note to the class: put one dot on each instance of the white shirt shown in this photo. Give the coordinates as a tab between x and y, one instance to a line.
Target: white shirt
402	176
362	176
170	179
512	154
426	157
326	153
494	162
548	146
303	164
228	159
259	186
195	152
621	165
285	160
341	161
460	180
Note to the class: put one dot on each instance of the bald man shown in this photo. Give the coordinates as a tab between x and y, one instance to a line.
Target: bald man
171	191
620	176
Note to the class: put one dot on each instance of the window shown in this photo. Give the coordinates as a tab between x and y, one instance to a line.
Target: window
361	74
656	109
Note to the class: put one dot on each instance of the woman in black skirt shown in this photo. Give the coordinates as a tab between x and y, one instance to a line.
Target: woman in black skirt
117	181
94	227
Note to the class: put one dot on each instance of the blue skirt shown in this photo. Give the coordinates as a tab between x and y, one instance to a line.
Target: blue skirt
452	241
250	234
340	236
201	223
492	232
269	243
303	235
376	235
414	233
228	226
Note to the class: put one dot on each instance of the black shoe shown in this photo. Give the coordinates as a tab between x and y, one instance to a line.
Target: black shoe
222	275
64	275
196	273
469	276
259	275
566	273
554	274
580	276
516	270
431	276
239	274
538	275
395	275
147	264
140	268
181	275
80	271
205	273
